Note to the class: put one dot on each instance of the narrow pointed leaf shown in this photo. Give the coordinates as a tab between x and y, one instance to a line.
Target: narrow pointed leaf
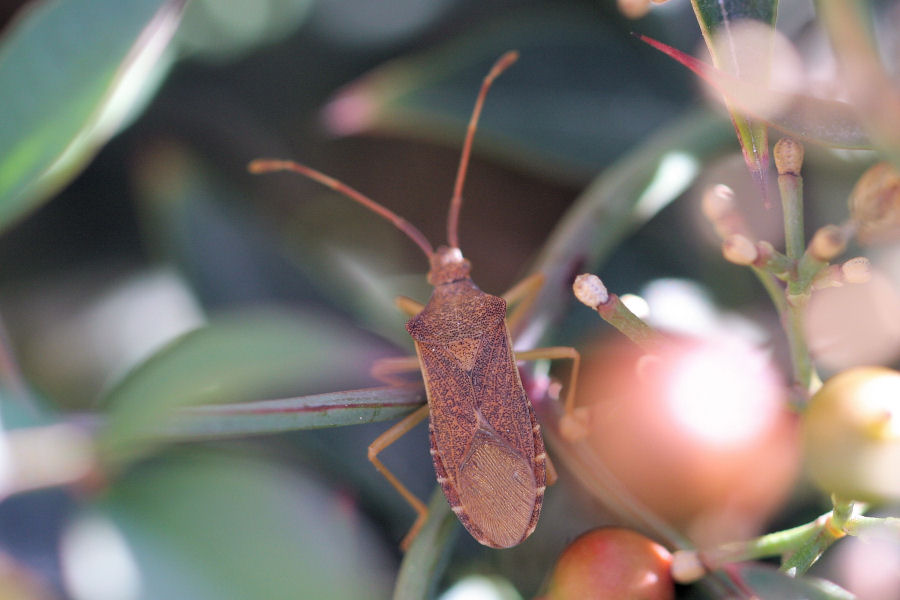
354	407
712	14
754	139
716	17
71	73
238	357
816	120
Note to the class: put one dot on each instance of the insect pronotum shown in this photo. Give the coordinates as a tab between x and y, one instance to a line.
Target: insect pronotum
486	443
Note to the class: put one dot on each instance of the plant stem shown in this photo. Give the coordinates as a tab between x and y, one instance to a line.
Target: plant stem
808	268
773	288
772	544
620	316
799	546
807	554
791	188
843	511
804	377
860	524
790	185
830	528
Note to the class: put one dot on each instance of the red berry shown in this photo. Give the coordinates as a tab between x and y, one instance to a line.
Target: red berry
612	564
697	433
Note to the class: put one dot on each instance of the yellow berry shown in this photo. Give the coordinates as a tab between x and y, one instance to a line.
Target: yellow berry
851	432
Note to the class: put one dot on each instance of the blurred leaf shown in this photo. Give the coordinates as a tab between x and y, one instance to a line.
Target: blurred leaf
548	114
767	582
24	408
712	14
20	405
238	357
716	18
624	197
209	526
807	118
217	29
852	28
354	407
71	73
423	563
236	250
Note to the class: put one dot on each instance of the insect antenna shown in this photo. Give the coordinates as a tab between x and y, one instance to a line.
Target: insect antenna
270	165
456	202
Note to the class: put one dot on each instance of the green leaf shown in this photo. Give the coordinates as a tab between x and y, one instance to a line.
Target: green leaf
816	120
22	407
226	30
712	14
71	73
546	115
425	559
354	407
767	582
209	526
236	358
717	18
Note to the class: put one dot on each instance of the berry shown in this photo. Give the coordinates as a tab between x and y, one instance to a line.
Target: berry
612	564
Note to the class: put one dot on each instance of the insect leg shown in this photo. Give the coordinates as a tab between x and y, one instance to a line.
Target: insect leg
523	295
408	306
396	431
386	369
572	423
556	353
551	471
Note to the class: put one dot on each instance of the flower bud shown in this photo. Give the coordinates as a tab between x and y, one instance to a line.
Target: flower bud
828	242
718	201
765	249
633	9
857	270
828	277
739	249
589	290
687	566
875	204
788	155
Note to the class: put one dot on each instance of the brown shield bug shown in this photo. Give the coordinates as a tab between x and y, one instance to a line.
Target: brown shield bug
486	443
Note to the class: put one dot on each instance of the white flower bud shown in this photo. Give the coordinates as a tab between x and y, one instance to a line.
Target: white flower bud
590	290
739	249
